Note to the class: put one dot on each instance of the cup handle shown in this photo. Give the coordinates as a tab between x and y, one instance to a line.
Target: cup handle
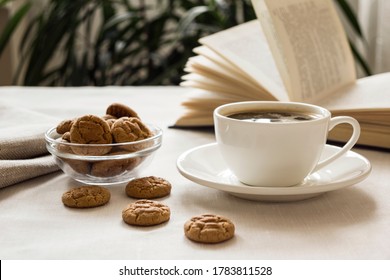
351	142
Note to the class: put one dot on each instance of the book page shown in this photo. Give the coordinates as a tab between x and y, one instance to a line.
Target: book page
199	106
199	64
209	83
210	70
208	100
246	47
309	44
211	55
371	94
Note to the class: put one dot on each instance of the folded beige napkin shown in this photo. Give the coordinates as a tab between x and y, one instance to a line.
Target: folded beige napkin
23	153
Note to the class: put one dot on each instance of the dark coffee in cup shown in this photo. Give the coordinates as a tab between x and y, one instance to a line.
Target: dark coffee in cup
266	116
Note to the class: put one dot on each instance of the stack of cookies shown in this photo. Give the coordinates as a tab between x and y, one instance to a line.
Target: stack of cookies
120	124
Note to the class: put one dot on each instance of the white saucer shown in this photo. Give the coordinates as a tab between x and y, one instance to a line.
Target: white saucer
204	165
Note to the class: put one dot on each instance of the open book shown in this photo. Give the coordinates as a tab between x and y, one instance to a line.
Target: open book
297	50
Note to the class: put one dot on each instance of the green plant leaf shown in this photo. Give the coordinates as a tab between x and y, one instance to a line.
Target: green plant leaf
360	60
118	19
12	24
4	2
136	43
189	18
351	16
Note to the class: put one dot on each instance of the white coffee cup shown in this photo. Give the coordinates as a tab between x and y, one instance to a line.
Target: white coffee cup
281	153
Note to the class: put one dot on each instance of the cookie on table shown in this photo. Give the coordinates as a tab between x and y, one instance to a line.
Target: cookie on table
148	187
146	213
86	197
209	228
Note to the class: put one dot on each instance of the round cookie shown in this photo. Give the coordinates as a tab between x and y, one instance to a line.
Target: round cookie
90	129
146	213
121	110
64	126
130	129
209	228
148	187
86	197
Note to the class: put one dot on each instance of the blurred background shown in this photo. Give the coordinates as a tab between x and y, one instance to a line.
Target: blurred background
145	42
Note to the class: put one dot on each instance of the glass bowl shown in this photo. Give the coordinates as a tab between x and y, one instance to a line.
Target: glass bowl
120	163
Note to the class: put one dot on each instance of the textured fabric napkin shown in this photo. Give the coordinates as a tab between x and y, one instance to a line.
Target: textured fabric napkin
23	153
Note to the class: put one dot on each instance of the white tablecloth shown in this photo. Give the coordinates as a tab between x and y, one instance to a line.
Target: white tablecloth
350	223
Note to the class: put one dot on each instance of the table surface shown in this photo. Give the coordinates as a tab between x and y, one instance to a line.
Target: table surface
349	223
